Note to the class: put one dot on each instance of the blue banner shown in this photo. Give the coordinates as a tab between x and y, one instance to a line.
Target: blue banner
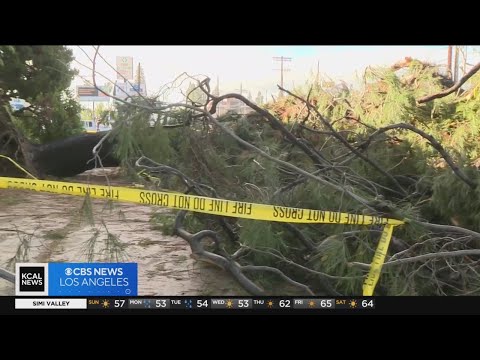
92	279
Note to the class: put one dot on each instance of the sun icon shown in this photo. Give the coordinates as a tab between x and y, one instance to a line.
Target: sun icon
229	304
106	303
353	304
270	304
311	303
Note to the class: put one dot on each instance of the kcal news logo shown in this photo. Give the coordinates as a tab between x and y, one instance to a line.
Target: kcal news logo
76	279
31	279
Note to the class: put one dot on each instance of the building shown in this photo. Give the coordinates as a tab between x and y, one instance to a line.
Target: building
107	96
136	87
90	98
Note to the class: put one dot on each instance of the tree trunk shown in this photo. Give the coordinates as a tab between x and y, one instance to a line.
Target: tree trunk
70	156
62	158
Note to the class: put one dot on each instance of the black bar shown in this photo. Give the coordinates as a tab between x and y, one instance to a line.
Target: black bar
257	305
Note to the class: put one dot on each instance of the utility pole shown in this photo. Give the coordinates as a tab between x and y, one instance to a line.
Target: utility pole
455	69
282	59
449	62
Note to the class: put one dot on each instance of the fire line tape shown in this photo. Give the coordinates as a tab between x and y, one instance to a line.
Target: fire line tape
220	207
378	260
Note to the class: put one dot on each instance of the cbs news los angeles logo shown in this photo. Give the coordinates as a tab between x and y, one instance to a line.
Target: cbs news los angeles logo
76	279
31	279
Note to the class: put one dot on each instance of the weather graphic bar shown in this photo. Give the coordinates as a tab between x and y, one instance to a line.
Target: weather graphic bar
195	304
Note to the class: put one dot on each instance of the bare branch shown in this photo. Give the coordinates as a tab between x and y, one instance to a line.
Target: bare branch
274	123
452	89
446	228
346	143
423	257
281	274
306	241
435	144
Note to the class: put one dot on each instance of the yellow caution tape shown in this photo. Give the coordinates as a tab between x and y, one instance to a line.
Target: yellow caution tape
214	206
378	260
222	207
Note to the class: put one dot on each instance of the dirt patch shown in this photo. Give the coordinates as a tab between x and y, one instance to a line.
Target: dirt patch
43	227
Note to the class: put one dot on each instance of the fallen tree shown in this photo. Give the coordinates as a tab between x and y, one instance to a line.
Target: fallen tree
373	152
59	158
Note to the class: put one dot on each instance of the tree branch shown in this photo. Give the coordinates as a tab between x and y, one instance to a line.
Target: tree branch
7	275
452	89
228	264
306	241
435	144
197	188
281	274
422	258
346	143
273	121
446	228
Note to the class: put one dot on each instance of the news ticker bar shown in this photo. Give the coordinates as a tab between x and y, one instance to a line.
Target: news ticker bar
197	303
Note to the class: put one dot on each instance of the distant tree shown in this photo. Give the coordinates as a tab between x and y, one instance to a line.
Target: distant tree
41	75
86	114
100	112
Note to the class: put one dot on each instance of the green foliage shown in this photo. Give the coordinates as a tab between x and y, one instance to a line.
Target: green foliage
56	119
100	113
136	135
432	192
41	75
333	256
263	236
453	200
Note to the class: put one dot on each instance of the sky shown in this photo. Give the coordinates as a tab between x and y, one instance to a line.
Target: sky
252	67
